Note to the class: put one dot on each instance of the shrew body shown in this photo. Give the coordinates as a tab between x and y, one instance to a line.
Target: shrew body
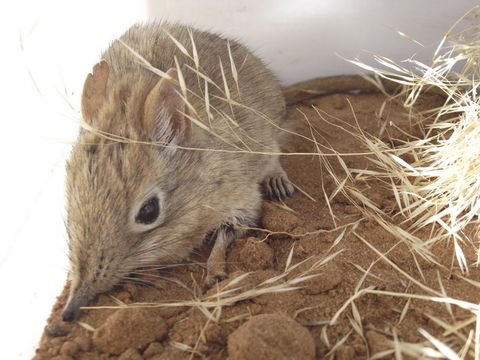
181	127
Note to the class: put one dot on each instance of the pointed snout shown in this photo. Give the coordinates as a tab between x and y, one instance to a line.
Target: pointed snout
78	297
70	312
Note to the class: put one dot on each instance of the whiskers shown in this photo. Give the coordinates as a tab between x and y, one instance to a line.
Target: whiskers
149	276
144	268
165	278
136	280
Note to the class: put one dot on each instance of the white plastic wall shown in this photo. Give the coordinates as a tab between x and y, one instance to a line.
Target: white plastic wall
303	39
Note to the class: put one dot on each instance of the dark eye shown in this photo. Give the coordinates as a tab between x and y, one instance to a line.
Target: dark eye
149	211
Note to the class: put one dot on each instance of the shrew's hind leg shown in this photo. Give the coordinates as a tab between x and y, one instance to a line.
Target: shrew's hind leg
223	237
276	184
216	263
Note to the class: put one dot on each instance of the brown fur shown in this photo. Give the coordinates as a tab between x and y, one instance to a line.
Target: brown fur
106	179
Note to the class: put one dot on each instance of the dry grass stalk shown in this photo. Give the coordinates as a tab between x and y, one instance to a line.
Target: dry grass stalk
230	294
435	178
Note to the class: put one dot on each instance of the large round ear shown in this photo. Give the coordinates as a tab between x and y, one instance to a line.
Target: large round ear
164	112
95	90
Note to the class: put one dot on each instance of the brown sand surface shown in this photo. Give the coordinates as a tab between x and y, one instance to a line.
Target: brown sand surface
299	324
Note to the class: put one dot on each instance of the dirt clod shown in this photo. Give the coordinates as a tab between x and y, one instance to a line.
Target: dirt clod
215	334
69	348
130	354
129	328
271	336
377	342
277	218
55	330
84	342
251	254
62	357
345	352
155	348
328	276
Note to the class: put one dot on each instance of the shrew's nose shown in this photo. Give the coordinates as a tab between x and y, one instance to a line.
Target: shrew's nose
70	312
78	298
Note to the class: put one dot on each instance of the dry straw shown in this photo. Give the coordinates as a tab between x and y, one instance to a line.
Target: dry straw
436	178
435	181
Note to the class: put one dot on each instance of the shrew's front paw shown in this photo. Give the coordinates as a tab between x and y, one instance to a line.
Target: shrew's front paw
278	186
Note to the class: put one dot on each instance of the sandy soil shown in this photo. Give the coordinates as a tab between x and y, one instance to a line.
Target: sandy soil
298	322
